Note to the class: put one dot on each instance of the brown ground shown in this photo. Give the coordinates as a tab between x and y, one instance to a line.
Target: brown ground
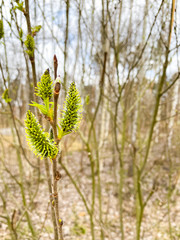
76	220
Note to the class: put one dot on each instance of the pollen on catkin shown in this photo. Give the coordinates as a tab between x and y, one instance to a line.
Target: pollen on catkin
38	140
44	88
71	115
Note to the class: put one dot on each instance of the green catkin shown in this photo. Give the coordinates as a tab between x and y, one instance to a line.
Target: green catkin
71	116
44	88
39	140
30	45
5	96
1	29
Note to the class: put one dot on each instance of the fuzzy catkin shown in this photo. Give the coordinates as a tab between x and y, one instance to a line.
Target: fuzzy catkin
1	29
39	140
30	45
72	111
44	88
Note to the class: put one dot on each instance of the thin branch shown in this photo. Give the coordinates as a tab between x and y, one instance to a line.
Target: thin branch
14	122
170	86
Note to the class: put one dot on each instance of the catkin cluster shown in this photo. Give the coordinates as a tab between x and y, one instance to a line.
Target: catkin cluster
40	142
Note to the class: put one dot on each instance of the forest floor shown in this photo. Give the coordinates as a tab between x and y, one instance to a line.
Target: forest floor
158	214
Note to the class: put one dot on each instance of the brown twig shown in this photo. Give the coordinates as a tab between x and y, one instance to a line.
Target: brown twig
51	198
56	177
55	66
14	122
32	58
56	174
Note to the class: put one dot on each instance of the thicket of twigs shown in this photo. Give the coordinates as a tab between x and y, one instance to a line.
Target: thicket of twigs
120	171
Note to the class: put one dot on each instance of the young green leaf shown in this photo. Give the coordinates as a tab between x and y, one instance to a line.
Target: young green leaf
41	107
19	6
20	33
36	29
45	109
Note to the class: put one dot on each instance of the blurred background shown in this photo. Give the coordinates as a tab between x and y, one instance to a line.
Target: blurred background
120	171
